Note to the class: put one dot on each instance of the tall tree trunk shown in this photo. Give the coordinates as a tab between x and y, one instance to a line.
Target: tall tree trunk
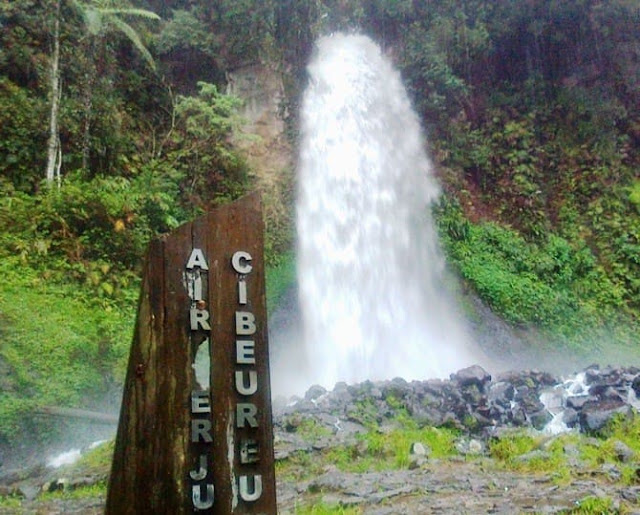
88	107
54	154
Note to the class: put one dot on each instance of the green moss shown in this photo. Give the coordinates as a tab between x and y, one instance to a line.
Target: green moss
322	508
56	342
279	278
84	492
390	450
593	506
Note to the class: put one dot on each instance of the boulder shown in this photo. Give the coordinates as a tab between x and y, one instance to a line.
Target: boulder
315	392
636	385
595	414
623	452
501	393
473	375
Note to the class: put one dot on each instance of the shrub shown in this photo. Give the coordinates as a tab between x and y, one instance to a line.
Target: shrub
553	284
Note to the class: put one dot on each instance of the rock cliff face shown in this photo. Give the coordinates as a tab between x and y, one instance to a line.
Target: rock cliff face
263	141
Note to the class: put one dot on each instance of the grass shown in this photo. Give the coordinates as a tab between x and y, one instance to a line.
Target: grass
546	456
97	459
311	430
61	347
326	509
279	279
593	506
372	451
10	501
84	492
525	452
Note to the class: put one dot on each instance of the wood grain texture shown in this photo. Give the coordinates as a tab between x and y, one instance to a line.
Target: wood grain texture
154	453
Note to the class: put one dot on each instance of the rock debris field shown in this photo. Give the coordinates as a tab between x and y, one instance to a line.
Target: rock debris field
520	442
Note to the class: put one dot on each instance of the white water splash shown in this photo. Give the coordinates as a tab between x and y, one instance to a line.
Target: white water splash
370	269
555	400
71	456
64	458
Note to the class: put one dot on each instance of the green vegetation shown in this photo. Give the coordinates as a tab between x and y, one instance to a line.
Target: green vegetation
311	430
530	107
551	283
537	453
83	492
62	347
280	277
593	506
326	509
387	448
10	501
97	459
522	452
65	344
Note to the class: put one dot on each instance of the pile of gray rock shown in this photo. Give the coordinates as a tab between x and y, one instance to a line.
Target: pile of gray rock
482	406
472	400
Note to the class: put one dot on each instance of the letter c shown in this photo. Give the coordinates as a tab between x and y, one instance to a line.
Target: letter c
241	262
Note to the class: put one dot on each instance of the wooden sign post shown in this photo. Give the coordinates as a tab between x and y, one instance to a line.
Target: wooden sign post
195	432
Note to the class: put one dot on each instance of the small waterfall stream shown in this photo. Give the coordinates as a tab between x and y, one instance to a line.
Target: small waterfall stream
371	275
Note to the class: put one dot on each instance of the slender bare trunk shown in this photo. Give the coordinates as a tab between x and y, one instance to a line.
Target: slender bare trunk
86	133
54	153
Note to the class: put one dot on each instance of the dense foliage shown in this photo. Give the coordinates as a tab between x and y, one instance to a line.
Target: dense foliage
531	108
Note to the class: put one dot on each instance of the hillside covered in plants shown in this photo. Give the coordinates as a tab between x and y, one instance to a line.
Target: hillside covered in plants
115	127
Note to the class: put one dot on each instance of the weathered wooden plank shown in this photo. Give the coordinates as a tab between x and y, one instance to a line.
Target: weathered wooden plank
180	448
240	228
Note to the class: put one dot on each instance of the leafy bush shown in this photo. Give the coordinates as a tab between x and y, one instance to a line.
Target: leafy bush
62	346
93	231
555	285
22	135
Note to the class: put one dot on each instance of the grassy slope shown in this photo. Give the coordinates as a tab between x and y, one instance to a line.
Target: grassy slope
59	347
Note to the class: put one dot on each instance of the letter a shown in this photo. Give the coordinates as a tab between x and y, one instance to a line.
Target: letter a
197	259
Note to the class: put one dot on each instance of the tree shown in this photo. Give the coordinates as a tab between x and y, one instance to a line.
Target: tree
54	153
100	17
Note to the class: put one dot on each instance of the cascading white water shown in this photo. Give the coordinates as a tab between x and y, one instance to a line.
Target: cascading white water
369	265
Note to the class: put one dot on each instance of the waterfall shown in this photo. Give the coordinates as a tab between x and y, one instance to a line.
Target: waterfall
371	274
